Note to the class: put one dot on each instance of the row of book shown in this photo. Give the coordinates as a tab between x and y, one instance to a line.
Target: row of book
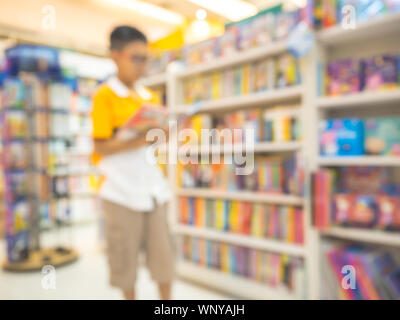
262	29
20	184
272	174
364	197
17	124
274	270
283	223
352	75
275	25
277	124
265	28
356	136
360	273
40	155
28	92
280	72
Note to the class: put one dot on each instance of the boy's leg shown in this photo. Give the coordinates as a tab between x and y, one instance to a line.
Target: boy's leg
165	290
159	250
124	232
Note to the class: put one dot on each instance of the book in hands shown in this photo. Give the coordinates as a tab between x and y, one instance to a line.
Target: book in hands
148	116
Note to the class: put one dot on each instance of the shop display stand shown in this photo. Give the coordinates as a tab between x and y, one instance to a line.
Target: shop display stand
37	193
81	167
381	33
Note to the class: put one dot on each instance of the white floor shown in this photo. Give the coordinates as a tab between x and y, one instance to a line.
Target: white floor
88	277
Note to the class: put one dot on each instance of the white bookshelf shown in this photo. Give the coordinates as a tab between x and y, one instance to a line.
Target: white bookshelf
234	285
258	147
291	95
242	196
385	161
365	235
243	240
333	43
251	100
372	37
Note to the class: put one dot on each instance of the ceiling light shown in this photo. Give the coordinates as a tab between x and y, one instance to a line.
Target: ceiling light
299	3
233	10
149	10
201	14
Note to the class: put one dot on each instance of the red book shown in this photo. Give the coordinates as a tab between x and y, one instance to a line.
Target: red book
246	218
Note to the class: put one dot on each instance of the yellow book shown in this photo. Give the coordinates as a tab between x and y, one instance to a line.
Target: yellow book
232	216
225	257
286	128
197	125
219	214
216	80
245	79
284	259
254	221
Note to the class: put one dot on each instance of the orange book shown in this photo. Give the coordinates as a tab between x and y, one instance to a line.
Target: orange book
291	226
200	211
183	210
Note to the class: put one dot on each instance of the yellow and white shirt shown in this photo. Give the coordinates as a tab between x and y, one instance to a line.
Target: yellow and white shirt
132	178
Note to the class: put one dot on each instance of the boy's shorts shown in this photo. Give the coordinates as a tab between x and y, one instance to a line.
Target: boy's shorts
127	233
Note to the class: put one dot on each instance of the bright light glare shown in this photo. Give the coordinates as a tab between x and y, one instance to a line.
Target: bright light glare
299	3
149	10
201	14
233	10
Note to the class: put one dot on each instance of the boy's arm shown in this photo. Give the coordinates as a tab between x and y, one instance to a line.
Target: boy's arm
107	147
105	142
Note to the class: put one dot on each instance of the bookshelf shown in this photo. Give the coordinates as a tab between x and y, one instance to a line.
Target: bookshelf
235	285
331	44
231	283
376	36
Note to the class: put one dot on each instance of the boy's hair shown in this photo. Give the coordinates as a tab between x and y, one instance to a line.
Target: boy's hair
123	35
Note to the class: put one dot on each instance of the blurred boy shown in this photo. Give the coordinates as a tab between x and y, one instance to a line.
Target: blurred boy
134	192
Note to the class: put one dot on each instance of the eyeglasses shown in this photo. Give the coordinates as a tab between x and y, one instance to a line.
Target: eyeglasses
137	59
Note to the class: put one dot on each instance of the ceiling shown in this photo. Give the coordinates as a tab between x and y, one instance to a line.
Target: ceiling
84	25
188	9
